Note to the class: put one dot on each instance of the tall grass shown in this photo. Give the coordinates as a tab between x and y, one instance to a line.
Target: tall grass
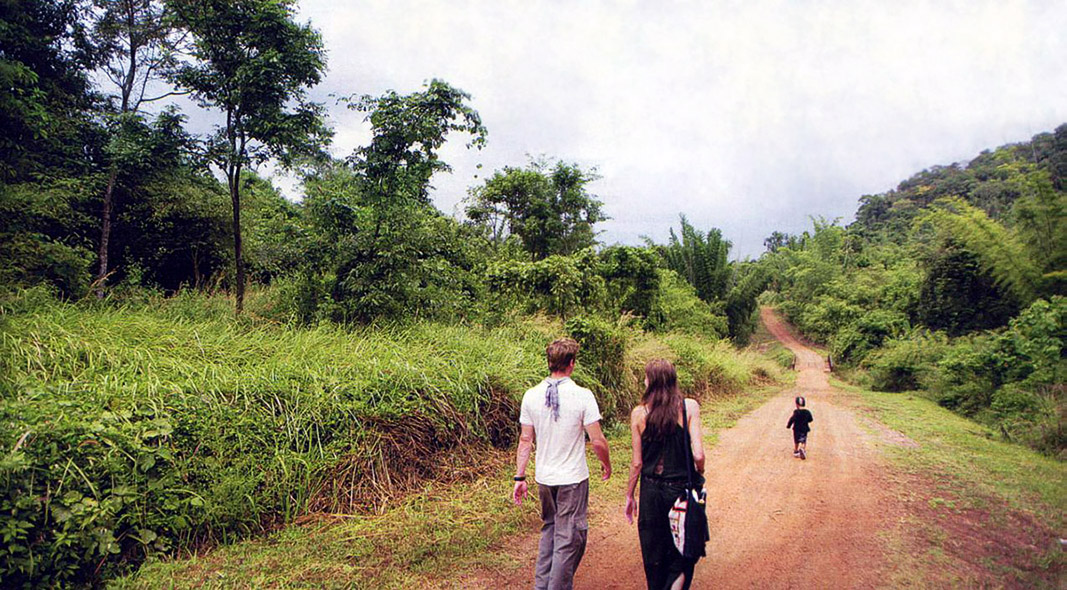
161	425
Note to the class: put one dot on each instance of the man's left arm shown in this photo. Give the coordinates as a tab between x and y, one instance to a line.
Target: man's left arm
600	447
526	443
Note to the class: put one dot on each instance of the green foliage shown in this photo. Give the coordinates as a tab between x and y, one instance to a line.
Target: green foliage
45	235
559	285
158	426
372	233
154	421
46	102
409	130
254	62
865	333
631	279
401	261
1012	379
998	250
603	349
741	301
546	205
906	363
957	296
275	236
701	258
678	309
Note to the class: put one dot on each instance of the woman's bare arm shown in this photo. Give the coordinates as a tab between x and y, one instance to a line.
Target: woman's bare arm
696	433
637	425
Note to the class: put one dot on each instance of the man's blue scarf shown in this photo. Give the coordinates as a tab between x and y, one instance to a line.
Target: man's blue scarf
552	396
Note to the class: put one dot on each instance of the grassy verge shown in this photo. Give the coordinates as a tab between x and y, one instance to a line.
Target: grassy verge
981	512
453	528
954	447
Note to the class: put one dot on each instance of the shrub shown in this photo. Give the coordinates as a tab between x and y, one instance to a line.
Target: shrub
559	285
904	364
850	344
678	309
603	349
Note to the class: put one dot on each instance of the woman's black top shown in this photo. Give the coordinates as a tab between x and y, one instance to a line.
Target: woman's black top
665	457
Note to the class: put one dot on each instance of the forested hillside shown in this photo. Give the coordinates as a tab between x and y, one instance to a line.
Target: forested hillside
952	284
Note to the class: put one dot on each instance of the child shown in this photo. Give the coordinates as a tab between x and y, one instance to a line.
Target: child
799	422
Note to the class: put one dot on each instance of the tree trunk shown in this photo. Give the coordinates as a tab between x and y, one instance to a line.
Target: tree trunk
235	199
105	231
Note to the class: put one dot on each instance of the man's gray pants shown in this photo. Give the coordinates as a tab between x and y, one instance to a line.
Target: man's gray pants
563	534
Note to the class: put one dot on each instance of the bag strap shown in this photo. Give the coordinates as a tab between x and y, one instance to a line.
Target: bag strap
688	447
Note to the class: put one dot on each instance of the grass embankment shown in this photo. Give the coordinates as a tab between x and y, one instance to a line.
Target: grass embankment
431	540
166	426
983	512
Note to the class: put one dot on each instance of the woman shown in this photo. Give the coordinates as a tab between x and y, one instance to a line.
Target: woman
659	460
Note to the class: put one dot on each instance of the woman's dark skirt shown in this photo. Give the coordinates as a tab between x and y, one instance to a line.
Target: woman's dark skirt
663	563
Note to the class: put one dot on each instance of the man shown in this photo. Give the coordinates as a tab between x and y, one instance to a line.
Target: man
557	413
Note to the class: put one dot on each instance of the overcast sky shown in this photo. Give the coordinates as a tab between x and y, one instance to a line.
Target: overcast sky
750	116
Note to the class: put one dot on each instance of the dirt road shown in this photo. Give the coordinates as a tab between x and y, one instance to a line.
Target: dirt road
776	521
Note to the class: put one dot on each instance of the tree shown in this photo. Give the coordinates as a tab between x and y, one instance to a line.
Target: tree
999	251
958	297
391	252
701	258
778	240
46	100
50	145
253	62
139	40
546	205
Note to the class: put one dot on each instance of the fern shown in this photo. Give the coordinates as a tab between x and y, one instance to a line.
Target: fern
999	250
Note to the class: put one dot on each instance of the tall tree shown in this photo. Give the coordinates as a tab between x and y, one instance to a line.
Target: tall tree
139	39
46	100
548	206
701	258
254	62
390	250
999	251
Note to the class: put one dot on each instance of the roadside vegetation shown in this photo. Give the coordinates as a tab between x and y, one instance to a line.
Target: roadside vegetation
165	426
981	510
951	285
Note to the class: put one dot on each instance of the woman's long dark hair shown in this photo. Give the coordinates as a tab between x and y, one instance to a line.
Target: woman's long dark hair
662	398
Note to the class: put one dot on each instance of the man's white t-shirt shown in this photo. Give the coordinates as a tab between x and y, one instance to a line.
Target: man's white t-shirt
560	455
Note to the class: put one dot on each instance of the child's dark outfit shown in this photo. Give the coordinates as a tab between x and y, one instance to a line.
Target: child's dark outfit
799	423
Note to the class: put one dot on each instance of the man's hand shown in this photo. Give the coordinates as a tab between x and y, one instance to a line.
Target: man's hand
605	471
631	509
520	492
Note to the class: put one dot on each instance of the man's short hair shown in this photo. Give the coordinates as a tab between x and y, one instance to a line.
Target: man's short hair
561	354
800	401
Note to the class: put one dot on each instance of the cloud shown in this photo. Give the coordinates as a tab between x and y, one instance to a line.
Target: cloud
749	116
